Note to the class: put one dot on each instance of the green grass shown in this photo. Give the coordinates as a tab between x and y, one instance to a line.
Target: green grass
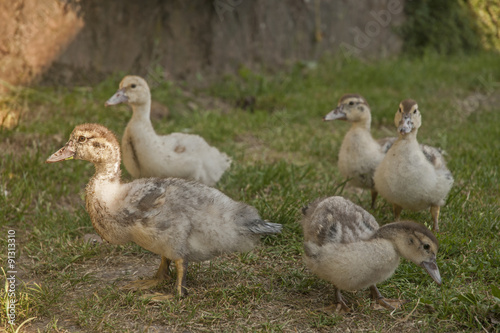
284	157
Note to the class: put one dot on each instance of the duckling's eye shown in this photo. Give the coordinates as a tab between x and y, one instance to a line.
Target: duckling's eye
400	110
82	139
415	111
351	103
133	85
427	246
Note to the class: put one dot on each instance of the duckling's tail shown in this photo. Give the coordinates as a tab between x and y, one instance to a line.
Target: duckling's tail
264	227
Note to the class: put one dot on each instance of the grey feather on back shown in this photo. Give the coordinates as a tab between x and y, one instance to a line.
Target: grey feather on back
311	207
150	199
433	155
337	220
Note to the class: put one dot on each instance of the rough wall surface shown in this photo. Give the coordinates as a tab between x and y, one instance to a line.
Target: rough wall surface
81	41
32	35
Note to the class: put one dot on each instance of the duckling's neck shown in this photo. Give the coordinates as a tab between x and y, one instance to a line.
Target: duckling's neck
142	112
364	124
107	171
105	194
412	136
385	232
391	233
102	188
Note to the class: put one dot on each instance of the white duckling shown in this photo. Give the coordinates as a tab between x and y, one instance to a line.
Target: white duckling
359	153
179	219
412	177
344	245
146	154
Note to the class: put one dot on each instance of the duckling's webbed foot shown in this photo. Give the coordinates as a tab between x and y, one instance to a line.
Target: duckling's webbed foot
160	276
141	284
387	303
339	307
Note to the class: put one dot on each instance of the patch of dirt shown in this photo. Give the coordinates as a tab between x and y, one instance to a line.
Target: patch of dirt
119	270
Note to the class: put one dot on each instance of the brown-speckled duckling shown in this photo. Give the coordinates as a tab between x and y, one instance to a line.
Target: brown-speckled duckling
344	245
412	177
178	219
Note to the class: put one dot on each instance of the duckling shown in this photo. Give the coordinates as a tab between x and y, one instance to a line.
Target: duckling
359	153
344	245
409	177
178	219
146	154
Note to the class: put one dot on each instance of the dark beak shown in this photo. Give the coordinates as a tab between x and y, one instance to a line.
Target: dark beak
432	269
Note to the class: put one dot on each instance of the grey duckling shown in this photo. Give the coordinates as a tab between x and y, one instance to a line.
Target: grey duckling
344	245
180	220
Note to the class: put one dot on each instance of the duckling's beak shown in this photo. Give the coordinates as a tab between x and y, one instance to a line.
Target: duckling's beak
337	114
405	125
117	98
65	153
432	269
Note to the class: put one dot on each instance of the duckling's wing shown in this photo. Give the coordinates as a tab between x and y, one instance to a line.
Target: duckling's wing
337	220
434	155
190	220
187	205
144	201
386	143
209	163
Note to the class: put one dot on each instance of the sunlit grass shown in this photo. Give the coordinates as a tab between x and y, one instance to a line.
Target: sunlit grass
284	156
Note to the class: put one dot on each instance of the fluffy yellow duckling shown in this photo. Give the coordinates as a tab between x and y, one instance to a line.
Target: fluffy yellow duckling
409	176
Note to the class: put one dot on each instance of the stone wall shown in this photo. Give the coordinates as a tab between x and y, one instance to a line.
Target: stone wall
82	41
